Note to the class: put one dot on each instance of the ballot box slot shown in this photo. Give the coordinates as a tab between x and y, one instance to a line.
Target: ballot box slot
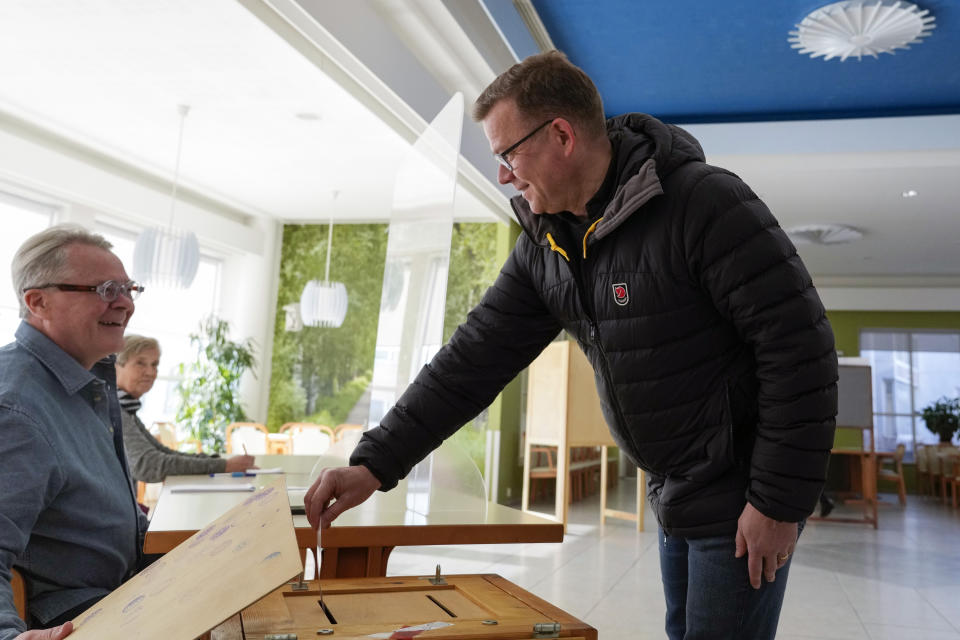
439	604
327	612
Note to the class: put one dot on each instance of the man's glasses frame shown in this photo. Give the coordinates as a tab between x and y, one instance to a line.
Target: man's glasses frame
502	156
108	291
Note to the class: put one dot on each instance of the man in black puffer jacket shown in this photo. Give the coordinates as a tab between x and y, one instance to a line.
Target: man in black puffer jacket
714	359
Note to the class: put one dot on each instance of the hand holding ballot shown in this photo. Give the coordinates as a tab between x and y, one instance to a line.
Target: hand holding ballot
240	463
336	490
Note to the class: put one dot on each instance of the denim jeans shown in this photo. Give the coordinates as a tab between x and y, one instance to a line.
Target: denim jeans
708	591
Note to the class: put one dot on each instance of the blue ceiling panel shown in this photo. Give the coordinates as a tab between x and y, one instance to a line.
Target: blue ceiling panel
699	61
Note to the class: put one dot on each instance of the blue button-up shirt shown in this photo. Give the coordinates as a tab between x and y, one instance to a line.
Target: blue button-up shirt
68	516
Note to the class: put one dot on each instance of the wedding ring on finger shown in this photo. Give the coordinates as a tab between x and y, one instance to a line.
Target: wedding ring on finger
782	557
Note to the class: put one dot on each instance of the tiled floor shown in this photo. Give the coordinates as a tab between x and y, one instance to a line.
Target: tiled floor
847	581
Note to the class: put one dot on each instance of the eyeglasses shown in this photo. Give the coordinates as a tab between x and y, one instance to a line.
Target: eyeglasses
502	156
108	291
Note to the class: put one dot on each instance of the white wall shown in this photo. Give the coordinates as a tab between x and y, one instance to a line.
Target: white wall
89	187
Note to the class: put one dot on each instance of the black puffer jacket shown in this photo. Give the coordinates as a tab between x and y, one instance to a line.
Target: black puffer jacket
713	357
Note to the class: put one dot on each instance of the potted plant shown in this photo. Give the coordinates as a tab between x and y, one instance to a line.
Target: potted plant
209	386
943	417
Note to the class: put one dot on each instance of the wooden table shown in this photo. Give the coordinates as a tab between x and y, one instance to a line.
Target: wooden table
360	541
466	606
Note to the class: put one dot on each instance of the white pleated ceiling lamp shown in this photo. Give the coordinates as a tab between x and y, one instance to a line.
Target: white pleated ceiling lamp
823	234
857	28
166	256
324	304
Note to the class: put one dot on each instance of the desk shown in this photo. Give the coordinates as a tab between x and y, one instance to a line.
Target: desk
360	541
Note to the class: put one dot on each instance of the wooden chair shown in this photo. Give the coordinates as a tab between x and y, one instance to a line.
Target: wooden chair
348	433
19	593
249	436
307	438
896	473
947	457
166	434
951	477
542	467
923	470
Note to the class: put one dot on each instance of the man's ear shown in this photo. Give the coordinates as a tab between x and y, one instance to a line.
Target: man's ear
36	302
565	135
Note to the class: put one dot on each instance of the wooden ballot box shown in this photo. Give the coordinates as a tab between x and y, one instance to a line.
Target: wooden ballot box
459	606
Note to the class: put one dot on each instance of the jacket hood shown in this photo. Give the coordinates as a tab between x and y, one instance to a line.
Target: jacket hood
637	137
645	150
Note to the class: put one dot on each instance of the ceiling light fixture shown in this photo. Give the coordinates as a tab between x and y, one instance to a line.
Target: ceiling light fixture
823	234
324	304
168	257
857	28
910	193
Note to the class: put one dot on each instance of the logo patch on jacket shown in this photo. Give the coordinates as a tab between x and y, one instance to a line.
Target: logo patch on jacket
620	294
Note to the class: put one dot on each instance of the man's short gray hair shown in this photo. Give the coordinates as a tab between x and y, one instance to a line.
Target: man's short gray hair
134	344
43	257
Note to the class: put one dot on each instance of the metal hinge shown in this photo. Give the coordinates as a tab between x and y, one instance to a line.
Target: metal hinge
546	630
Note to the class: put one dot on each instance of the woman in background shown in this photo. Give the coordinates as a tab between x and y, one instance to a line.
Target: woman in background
150	461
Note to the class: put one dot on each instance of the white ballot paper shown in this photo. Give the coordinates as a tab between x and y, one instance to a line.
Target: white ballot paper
205	487
233	562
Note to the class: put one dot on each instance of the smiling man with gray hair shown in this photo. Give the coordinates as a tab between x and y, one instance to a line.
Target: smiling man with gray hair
69	521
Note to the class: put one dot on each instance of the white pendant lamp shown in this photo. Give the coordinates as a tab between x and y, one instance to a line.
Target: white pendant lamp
168	257
324	304
823	234
857	28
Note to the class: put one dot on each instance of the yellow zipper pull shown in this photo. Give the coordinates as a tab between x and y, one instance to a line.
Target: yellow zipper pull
555	247
587	234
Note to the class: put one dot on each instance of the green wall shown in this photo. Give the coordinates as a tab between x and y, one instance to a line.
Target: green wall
846	330
504	414
847	324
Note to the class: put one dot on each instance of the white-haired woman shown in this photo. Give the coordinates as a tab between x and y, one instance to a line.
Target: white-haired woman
150	461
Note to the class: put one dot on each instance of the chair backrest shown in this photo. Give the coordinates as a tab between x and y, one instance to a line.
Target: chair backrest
307	438
349	434
949	461
920	455
249	436
166	433
899	453
19	593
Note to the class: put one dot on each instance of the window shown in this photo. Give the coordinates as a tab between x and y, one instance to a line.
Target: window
170	316
910	369
20	218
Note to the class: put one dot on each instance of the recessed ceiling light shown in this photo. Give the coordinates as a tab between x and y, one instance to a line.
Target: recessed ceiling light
309	116
910	193
857	28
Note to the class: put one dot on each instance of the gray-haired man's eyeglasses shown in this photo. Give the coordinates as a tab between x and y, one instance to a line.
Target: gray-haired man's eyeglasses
502	156
108	291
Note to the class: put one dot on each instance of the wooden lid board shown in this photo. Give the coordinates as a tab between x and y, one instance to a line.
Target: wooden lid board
236	560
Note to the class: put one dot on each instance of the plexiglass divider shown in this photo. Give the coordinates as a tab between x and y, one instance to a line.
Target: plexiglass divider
410	329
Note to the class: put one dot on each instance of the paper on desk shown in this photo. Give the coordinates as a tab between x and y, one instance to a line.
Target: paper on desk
259	472
211	488
409	632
